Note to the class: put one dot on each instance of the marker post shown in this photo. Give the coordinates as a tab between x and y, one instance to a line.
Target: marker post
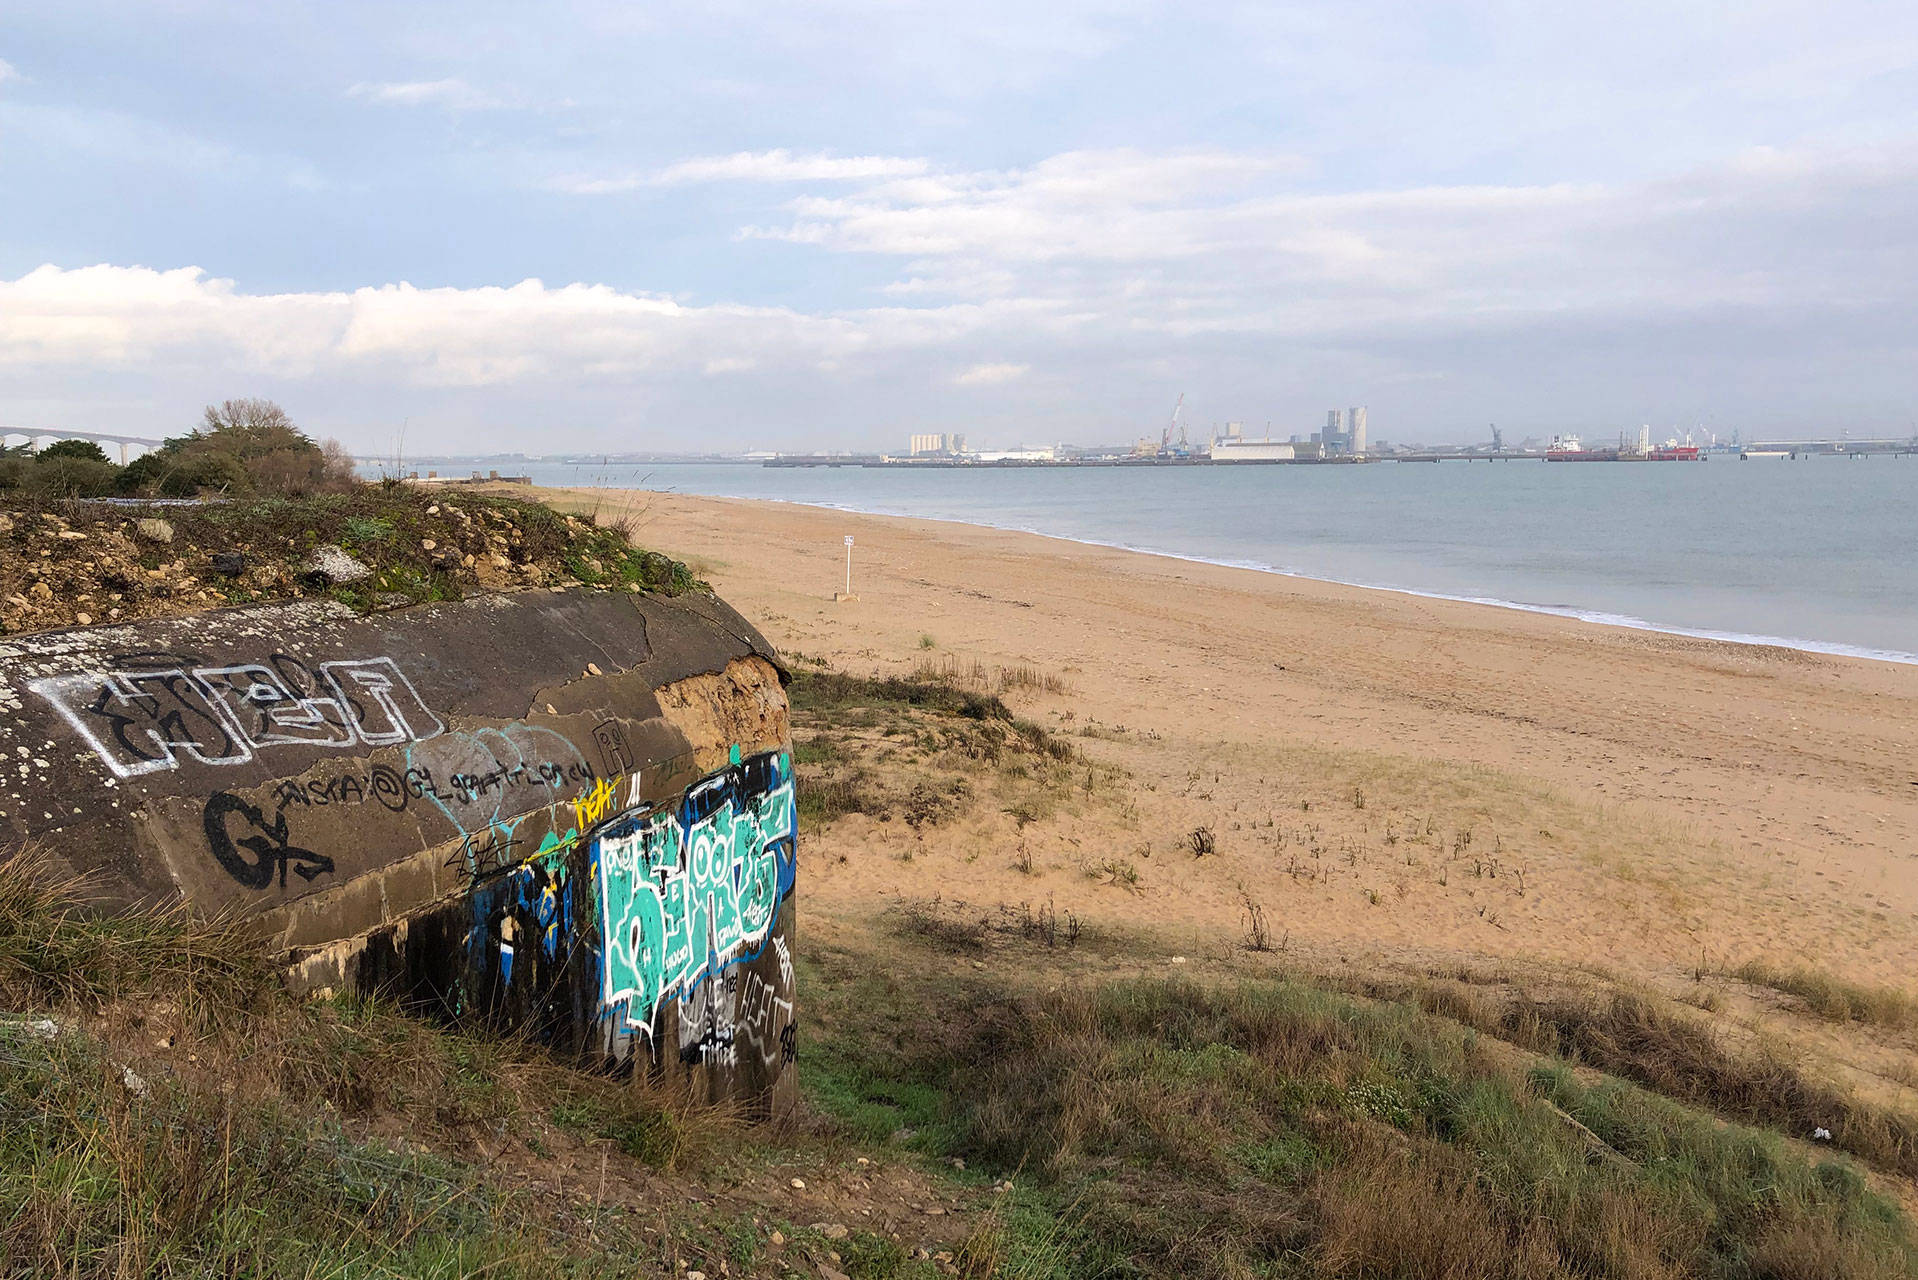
847	593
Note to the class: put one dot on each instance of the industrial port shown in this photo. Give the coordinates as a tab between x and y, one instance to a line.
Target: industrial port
1344	440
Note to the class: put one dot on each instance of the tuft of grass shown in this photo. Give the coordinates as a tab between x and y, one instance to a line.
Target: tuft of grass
1833	998
56	951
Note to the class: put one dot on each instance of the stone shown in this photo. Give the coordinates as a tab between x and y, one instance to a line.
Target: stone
72	535
84	619
331	566
6	523
40	591
427	544
229	564
799	1184
151	530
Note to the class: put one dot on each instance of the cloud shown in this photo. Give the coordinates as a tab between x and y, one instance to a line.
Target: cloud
987	375
7	72
1119	273
452	94
778	165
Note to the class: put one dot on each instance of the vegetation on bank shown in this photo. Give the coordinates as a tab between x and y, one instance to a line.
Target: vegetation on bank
242	448
285	523
166	1108
1280	1128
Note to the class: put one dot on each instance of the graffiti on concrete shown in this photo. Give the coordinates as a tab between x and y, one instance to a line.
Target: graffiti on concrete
486	780
691	889
145	719
253	848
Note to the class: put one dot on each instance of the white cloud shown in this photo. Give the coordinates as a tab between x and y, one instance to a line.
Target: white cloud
987	375
1118	273
778	165
453	94
6	71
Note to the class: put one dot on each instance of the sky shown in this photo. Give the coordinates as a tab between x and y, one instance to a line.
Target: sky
626	226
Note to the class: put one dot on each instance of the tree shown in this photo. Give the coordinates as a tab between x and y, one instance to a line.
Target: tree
241	447
85	449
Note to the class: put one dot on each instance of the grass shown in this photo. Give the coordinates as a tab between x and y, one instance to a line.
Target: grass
916	749
1681	1056
1833	998
168	1109
1278	1128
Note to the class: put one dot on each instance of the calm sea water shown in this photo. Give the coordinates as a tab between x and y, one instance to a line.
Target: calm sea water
1819	553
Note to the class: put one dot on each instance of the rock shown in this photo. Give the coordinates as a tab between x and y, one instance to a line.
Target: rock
330	566
84	619
777	1238
229	564
831	1230
427	544
40	591
6	523
695	1275
72	535
17	601
829	1273
799	1184
151	530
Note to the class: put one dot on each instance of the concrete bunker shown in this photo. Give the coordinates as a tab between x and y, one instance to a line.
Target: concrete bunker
565	811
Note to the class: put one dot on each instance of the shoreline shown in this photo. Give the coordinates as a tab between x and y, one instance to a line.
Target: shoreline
1596	617
1394	775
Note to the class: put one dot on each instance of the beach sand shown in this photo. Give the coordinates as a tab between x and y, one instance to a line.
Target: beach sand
1388	778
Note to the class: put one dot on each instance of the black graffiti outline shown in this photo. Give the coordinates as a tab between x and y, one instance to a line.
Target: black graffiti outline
269	843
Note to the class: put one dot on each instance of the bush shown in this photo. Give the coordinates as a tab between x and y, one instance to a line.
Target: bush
67	476
242	447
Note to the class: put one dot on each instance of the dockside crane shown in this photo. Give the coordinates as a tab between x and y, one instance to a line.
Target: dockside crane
1165	437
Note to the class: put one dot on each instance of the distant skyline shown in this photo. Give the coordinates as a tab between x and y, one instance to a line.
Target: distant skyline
608	227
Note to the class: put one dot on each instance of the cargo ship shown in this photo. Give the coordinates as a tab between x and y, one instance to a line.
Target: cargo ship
1568	448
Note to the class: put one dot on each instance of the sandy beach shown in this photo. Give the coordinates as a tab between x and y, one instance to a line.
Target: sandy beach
1390	778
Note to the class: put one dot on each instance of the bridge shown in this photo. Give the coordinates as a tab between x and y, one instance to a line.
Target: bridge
37	438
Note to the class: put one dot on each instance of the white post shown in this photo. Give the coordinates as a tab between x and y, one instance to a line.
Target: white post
849	564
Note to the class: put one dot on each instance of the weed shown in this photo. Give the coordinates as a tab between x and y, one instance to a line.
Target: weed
1201	841
1258	937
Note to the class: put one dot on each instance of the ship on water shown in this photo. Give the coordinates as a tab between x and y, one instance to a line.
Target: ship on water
1568	448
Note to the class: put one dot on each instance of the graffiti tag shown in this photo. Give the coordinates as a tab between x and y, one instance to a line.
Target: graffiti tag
141	721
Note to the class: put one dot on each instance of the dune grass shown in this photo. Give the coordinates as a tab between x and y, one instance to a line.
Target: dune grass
1833	998
1278	1128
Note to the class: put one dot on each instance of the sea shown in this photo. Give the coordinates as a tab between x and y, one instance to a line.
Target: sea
1816	553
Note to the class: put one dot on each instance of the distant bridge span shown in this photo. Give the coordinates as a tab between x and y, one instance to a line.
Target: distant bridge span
34	435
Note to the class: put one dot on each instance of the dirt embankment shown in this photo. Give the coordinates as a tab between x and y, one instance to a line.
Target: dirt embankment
81	563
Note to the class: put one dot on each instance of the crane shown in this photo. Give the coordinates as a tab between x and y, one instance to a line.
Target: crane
1165	437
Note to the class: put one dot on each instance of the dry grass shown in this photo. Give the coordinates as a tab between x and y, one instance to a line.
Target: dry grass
167	1109
1278	1129
1681	1056
1832	998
